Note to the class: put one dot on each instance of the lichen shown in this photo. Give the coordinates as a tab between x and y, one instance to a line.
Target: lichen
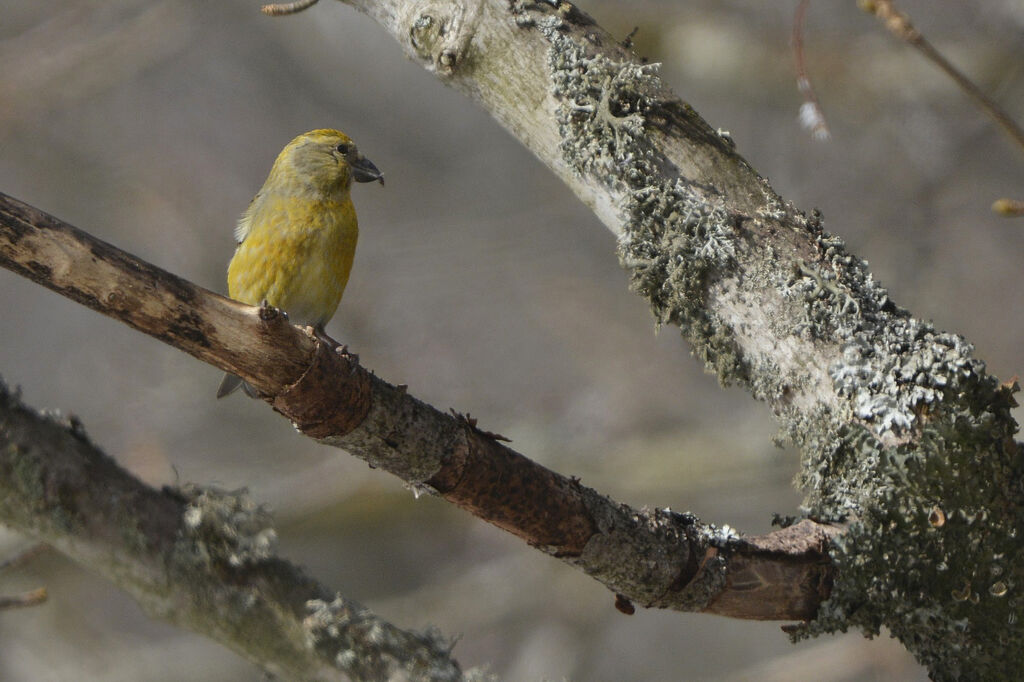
923	467
225	527
905	438
675	233
365	647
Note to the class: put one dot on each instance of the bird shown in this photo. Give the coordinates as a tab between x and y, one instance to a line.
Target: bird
297	239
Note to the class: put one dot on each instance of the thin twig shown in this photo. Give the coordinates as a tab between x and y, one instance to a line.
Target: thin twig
33	598
811	115
280	9
900	26
1011	208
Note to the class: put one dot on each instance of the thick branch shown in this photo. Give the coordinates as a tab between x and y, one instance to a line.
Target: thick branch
200	558
658	558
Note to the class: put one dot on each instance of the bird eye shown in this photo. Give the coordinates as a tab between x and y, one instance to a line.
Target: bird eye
344	148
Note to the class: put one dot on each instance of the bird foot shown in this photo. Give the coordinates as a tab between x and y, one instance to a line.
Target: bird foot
344	351
268	312
323	338
339	348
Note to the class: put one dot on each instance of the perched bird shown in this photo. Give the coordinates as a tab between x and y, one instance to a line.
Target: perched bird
297	239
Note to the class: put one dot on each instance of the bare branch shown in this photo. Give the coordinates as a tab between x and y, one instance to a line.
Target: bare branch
655	557
899	24
33	598
200	558
284	8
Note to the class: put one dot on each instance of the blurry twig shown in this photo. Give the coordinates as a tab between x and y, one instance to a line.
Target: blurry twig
899	25
811	115
1011	208
33	598
279	9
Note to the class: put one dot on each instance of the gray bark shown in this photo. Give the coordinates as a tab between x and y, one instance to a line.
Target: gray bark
200	558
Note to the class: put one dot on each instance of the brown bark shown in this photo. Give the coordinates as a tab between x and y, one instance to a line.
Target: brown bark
655	557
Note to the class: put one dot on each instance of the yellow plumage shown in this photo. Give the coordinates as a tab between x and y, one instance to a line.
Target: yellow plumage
297	239
297	256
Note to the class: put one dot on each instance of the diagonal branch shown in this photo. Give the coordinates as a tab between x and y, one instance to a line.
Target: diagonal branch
656	557
899	24
32	598
200	558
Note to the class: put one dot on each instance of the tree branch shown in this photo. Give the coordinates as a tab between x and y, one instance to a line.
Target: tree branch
894	418
899	24
656	557
200	558
25	600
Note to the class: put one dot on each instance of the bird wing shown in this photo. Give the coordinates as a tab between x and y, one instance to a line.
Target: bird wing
244	226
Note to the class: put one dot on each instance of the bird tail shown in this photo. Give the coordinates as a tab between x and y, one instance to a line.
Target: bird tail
229	385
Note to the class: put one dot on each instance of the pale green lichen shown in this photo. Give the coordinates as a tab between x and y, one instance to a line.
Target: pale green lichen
925	429
675	232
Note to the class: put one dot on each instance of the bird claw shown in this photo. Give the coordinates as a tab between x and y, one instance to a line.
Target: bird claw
268	312
339	348
323	338
343	351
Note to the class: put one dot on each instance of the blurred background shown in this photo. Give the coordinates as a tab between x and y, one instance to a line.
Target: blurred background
484	285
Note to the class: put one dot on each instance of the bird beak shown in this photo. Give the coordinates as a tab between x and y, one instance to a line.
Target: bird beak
363	170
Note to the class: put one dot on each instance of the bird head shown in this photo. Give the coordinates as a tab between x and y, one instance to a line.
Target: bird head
322	162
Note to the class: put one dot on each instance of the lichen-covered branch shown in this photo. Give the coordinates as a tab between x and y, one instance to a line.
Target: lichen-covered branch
198	557
897	421
656	557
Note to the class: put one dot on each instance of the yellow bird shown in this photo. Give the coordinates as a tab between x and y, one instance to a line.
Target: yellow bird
297	239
